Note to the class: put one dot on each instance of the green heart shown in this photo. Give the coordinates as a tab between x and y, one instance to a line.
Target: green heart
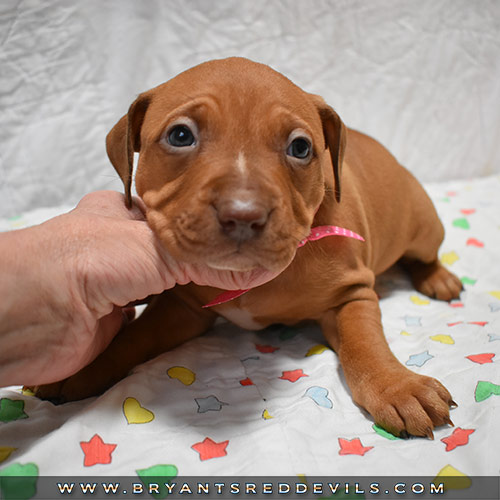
159	474
11	409
485	389
462	223
18	481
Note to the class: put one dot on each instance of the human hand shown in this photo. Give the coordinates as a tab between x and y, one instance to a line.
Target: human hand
69	280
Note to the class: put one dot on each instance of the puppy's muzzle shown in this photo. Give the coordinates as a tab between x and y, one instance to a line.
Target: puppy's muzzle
241	218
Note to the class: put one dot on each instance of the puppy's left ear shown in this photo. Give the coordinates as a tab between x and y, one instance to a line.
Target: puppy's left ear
335	135
124	139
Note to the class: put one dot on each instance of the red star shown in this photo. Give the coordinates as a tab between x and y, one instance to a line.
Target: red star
210	449
482	358
97	451
458	438
293	375
246	381
352	447
265	348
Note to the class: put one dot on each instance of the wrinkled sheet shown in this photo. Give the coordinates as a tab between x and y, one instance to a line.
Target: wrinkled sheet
237	402
420	76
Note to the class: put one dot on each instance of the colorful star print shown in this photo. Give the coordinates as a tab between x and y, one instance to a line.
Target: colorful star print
11	409
352	447
459	437
293	375
96	451
210	403
210	449
419	359
481	359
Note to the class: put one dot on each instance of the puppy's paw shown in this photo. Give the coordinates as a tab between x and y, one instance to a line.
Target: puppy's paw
435	281
407	403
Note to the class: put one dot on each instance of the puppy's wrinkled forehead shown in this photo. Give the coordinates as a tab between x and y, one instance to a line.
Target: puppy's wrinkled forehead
246	93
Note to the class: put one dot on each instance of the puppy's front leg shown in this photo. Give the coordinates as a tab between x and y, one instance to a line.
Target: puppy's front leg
167	322
398	399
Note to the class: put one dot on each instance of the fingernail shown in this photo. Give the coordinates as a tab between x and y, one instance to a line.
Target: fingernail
453	405
404	435
449	422
429	433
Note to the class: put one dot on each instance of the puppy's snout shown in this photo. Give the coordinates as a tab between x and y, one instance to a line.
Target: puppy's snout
241	219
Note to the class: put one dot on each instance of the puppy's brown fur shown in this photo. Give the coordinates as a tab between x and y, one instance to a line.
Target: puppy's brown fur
237	200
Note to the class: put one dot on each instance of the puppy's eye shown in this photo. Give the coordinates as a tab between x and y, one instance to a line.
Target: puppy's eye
180	136
299	148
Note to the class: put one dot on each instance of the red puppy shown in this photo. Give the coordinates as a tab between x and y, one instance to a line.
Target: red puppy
236	165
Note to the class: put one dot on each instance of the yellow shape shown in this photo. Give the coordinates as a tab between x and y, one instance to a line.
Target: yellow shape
405	333
444	339
27	391
182	374
266	415
135	413
452	479
5	452
419	301
449	258
495	294
317	349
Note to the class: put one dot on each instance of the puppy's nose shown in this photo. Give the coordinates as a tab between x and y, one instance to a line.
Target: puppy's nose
241	219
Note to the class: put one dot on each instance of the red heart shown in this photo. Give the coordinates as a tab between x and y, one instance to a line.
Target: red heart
482	358
472	242
468	211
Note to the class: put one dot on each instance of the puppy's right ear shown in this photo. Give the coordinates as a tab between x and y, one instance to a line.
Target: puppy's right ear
124	139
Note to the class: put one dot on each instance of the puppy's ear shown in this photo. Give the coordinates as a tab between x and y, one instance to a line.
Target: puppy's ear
125	138
335	138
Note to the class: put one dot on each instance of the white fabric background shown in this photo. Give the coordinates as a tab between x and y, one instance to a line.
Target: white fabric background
421	76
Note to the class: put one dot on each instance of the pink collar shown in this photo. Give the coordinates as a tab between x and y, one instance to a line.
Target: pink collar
316	234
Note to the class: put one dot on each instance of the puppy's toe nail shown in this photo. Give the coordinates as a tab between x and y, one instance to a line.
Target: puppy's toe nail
429	433
453	405
449	422
404	435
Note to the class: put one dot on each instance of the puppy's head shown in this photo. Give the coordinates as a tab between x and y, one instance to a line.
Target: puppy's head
234	160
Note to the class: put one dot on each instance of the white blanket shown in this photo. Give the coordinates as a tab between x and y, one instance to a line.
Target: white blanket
275	402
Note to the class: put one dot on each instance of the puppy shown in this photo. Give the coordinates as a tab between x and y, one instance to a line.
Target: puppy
236	166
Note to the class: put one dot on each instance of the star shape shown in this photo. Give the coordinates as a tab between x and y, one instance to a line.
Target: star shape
459	437
483	358
210	403
246	381
419	359
352	447
210	449
493	337
96	451
494	307
293	375
11	409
